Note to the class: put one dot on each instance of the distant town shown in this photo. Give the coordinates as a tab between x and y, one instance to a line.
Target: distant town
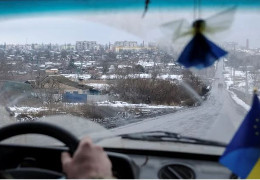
84	59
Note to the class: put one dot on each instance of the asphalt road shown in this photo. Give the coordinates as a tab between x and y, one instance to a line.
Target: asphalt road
216	119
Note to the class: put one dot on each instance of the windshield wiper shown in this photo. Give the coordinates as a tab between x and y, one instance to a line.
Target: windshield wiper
170	137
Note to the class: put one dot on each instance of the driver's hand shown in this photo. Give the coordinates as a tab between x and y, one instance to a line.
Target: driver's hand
89	161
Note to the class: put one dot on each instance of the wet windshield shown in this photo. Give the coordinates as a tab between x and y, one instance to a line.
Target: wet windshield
118	68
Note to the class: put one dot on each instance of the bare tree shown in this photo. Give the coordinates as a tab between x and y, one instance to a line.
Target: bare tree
48	90
255	78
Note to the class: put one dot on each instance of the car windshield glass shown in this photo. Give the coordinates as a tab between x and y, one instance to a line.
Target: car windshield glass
117	65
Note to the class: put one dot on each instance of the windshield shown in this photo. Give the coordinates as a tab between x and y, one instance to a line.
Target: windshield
117	66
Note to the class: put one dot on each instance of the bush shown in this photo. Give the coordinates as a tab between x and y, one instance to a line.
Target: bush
149	91
194	82
158	91
90	111
96	112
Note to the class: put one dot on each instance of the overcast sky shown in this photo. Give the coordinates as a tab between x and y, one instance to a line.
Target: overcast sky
116	26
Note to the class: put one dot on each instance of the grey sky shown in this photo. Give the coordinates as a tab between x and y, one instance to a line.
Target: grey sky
116	26
58	30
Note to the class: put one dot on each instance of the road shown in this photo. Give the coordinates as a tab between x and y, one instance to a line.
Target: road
216	119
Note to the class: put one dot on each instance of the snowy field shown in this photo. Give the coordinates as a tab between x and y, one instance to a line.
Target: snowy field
99	86
114	76
75	76
123	112
140	106
26	110
237	79
239	85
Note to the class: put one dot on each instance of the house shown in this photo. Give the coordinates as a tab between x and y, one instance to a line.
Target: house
62	87
51	71
94	92
74	97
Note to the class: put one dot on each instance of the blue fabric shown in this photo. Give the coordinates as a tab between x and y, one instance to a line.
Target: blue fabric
243	151
241	161
200	53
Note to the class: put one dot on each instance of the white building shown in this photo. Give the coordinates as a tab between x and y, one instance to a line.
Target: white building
85	45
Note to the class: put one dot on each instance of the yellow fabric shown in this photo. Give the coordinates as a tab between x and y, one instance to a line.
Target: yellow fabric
255	173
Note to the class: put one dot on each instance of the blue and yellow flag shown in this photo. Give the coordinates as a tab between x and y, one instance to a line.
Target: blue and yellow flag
242	154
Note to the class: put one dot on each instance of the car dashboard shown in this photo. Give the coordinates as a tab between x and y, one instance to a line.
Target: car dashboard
127	163
175	165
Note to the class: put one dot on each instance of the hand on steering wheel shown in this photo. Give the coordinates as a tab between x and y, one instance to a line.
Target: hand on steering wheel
89	161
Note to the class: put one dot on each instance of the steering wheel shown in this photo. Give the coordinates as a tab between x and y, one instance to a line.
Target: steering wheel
37	128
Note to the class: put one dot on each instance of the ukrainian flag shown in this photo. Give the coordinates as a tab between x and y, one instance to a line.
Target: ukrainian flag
242	154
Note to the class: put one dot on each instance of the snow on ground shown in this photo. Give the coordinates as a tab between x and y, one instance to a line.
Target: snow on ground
115	76
99	86
75	76
124	66
228	80
239	84
141	106
240	73
144	76
170	76
239	101
239	79
112	76
146	64
25	109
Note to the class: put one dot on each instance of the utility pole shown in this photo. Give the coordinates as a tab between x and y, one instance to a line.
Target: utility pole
79	69
246	90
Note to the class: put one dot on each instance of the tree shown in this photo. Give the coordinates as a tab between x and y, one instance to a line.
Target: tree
48	90
105	66
139	90
47	54
139	69
72	67
255	78
155	72
193	81
111	56
166	58
64	54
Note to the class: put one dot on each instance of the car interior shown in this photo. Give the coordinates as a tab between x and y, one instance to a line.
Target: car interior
173	130
29	162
